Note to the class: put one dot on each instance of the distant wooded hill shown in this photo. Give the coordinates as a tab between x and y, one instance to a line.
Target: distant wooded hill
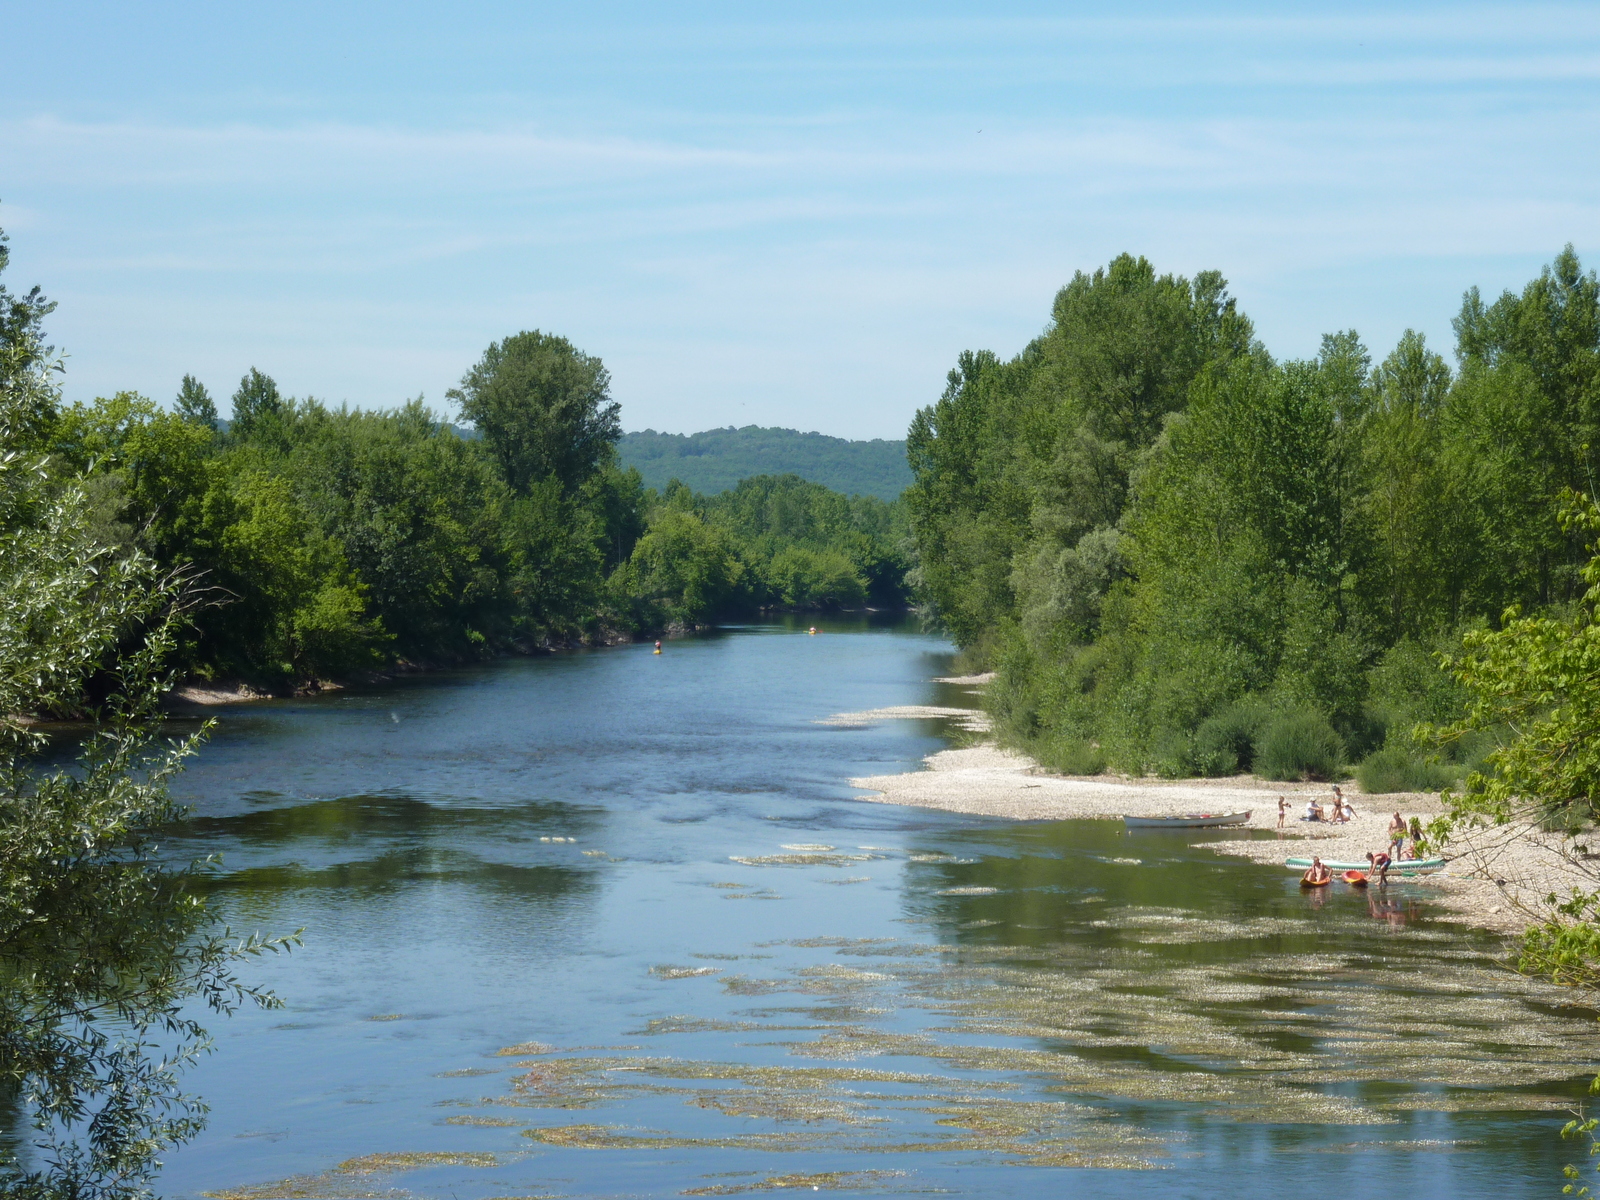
718	459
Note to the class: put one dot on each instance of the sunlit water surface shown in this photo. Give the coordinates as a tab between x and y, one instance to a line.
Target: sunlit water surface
615	924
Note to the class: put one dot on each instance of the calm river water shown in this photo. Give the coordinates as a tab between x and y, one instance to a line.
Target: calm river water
613	924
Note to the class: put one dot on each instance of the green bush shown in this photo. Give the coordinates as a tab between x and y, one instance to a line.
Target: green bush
1396	769
1171	753
1299	745
1069	756
1226	741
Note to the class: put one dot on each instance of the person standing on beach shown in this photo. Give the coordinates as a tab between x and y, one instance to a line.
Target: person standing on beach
1283	810
1397	834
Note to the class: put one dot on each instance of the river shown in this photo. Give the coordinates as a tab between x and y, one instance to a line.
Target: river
609	923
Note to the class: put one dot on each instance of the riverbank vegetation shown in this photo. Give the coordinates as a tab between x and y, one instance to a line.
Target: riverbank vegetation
318	542
1185	556
107	951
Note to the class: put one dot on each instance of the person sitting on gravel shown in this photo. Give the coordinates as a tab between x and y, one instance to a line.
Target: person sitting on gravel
1313	810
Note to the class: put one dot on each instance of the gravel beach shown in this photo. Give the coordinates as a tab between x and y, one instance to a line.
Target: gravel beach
1496	877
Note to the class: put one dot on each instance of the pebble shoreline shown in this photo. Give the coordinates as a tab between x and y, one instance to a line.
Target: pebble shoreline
1496	877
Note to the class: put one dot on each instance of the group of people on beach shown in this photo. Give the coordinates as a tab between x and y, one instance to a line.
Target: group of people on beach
1405	838
1337	813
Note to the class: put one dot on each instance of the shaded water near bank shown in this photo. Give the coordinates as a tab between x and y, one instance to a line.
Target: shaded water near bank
614	924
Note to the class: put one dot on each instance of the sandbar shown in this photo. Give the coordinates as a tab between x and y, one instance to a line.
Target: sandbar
1497	877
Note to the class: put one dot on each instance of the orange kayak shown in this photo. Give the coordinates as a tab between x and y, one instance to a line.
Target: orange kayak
1307	881
1356	878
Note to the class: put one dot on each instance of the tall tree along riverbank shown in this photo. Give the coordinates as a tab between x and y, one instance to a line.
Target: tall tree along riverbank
1186	556
318	541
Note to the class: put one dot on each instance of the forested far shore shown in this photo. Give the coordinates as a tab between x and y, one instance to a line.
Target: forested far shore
715	460
314	543
1184	556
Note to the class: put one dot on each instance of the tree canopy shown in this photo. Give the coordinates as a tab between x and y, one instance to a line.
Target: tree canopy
1179	550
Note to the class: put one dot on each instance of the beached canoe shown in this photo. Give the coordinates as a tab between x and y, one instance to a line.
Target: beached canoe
1414	866
1187	820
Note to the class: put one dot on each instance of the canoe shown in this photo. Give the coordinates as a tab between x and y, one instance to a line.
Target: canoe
1187	820
1414	866
1355	878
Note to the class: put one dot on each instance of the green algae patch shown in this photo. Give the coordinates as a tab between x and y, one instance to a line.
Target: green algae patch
522	1049
668	971
486	1122
383	1164
685	1024
388	1017
1031	1053
823	1181
811	859
343	1181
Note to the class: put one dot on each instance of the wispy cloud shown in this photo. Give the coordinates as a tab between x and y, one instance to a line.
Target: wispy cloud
760	217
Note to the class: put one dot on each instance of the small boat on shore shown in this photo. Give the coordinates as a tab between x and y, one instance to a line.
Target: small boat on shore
1186	820
1411	866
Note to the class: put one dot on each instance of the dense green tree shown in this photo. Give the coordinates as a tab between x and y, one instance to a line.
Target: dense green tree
256	403
685	567
27	364
1166	541
195	404
543	407
104	951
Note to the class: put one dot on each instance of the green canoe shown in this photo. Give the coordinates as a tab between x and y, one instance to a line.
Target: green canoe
1414	866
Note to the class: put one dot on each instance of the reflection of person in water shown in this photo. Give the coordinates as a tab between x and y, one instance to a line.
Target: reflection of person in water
1390	910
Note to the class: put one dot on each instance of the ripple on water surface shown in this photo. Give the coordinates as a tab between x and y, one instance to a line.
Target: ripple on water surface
984	997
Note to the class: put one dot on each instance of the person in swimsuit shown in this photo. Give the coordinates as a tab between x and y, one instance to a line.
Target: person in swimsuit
1397	834
1283	810
1378	864
1317	874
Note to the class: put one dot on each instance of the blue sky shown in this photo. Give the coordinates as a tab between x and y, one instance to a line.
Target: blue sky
777	214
